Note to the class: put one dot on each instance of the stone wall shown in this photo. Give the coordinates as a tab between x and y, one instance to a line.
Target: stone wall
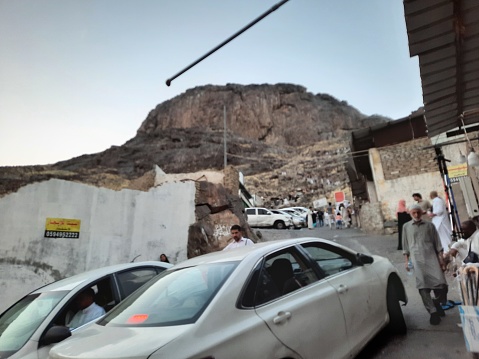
371	218
408	159
401	170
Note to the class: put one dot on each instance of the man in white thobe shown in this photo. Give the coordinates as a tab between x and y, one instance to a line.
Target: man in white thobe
440	219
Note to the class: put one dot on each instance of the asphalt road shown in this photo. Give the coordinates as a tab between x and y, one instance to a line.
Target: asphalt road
423	341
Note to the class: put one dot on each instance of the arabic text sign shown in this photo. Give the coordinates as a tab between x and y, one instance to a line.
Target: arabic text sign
457	171
62	228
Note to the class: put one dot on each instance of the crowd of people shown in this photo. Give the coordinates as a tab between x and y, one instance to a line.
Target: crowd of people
340	217
425	237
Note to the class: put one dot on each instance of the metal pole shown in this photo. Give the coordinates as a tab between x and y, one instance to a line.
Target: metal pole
453	214
275	7
224	136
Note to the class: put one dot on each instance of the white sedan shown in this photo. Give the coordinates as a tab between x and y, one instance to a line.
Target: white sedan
301	298
30	326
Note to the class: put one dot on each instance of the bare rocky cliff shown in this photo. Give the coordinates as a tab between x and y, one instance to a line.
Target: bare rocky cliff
280	136
281	114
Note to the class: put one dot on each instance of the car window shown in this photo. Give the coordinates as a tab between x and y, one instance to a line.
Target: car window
282	273
131	280
262	211
172	298
18	323
330	259
250	211
104	297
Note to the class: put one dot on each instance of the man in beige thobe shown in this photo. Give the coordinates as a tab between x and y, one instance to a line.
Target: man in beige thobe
422	245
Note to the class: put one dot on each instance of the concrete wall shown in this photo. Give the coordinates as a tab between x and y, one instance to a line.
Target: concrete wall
116	226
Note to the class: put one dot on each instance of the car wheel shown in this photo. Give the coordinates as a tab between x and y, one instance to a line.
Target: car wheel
397	324
279	225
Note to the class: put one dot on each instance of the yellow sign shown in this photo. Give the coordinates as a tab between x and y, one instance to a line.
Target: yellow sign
62	228
457	170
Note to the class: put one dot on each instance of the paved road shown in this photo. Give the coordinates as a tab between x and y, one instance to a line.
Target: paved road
423	340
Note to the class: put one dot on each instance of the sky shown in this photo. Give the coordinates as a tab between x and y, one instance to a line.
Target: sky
79	76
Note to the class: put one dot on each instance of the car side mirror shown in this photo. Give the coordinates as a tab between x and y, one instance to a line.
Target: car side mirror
364	258
56	334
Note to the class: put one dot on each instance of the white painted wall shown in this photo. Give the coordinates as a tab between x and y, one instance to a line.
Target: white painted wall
116	226
389	192
402	188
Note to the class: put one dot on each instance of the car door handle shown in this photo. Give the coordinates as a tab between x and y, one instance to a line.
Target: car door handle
342	288
281	317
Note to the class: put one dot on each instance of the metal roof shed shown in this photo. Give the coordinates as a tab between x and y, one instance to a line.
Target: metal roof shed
444	34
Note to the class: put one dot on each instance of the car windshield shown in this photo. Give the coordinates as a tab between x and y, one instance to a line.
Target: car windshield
18	323
172	298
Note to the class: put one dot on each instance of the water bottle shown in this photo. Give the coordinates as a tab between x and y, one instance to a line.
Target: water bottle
410	268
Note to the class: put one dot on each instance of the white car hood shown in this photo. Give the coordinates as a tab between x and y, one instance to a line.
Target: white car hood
100	342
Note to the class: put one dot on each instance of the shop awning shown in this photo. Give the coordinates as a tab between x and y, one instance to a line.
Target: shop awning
444	34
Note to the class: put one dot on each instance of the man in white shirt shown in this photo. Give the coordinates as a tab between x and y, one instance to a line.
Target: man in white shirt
88	311
470	233
238	239
440	219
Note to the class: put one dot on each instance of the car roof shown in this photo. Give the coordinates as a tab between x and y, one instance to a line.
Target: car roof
76	280
257	250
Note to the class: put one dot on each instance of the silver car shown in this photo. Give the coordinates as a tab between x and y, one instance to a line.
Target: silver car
298	221
301	298
30	326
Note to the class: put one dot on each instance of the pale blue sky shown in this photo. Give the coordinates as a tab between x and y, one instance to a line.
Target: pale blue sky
78	76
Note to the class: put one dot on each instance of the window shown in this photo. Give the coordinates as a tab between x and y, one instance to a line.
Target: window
18	323
171	298
250	211
330	259
263	211
131	280
281	273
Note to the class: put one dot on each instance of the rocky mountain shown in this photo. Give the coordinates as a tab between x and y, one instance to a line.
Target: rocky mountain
280	136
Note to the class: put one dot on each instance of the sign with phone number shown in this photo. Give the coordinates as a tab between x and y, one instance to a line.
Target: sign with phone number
58	234
62	228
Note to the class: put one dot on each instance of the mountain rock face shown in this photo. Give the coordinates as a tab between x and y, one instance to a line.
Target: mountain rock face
280	136
281	114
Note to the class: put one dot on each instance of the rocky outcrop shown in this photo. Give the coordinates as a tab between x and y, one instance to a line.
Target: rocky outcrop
274	132
281	114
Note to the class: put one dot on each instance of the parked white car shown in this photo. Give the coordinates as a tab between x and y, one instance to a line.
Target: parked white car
302	210
262	217
298	221
294	212
302	298
30	327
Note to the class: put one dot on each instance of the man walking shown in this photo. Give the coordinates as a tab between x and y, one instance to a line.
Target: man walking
238	239
440	219
424	204
421	244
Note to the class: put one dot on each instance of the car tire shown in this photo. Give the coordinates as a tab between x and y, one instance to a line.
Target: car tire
279	225
397	324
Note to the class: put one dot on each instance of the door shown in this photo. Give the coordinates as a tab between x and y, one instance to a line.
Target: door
264	218
301	310
252	218
360	292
